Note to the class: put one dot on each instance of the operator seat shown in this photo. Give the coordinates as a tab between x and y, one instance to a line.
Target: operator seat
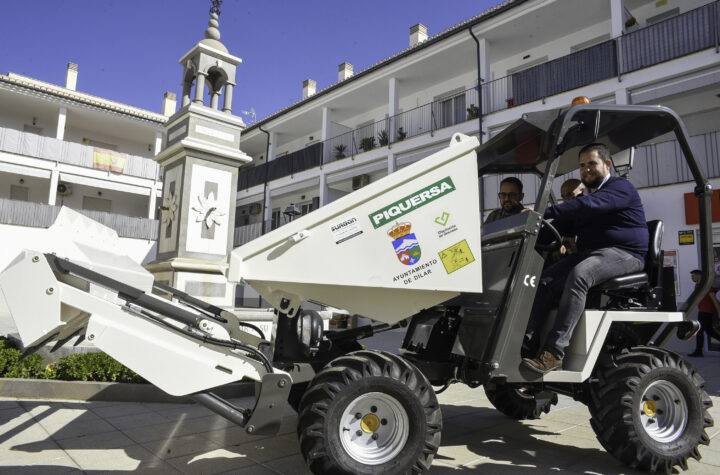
644	285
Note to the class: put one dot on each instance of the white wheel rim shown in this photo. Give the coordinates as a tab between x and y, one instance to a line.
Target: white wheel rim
663	411
381	431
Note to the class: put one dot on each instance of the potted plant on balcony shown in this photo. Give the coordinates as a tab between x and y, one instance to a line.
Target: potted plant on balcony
340	151
473	112
401	134
383	138
367	144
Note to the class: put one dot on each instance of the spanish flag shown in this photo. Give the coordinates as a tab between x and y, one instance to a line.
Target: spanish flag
109	160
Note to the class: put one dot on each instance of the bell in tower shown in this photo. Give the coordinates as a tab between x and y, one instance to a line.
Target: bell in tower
200	166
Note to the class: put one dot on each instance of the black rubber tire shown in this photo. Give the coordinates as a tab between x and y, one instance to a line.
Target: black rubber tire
615	408
516	402
348	377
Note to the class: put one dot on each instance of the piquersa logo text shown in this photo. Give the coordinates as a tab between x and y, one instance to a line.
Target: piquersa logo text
411	202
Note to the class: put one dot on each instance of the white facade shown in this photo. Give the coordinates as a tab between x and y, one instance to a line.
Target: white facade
531	55
60	146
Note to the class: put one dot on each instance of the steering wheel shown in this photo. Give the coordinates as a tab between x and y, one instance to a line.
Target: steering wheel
555	244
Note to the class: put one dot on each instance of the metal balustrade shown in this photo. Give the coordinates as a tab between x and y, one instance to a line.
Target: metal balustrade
245	234
655	164
575	70
40	215
49	148
684	34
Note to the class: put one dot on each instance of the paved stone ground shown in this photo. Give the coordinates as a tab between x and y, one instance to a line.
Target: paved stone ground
92	437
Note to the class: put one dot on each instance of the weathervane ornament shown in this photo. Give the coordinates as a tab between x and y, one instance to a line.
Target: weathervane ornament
215	8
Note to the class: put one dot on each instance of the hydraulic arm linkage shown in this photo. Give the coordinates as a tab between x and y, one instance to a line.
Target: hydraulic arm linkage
182	345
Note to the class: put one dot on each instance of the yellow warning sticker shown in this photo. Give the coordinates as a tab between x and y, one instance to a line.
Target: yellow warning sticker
456	256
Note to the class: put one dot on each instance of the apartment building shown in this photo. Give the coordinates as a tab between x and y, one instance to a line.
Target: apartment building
60	146
481	75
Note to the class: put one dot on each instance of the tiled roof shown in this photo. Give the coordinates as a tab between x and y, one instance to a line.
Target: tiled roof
80	97
412	49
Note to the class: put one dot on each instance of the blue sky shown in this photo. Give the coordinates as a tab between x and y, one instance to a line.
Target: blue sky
128	50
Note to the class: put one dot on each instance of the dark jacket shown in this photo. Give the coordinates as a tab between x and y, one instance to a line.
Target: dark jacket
613	216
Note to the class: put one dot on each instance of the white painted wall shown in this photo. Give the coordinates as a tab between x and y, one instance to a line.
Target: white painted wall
650	9
296	144
462	81
124	145
338	129
667	203
37	187
553	49
122	203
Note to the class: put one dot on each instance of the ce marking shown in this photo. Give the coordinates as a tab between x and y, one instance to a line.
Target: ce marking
529	280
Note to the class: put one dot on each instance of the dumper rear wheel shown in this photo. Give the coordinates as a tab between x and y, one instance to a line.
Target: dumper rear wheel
369	412
649	409
518	401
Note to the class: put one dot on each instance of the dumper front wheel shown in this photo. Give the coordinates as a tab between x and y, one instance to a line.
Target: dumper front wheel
649	409
369	412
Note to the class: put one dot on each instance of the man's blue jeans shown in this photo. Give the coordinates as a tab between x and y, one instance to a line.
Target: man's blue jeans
568	282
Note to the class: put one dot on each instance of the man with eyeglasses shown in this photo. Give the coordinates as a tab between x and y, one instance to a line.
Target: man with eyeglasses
510	197
612	241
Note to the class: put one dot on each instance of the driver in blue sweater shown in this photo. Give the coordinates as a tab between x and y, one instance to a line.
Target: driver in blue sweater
612	240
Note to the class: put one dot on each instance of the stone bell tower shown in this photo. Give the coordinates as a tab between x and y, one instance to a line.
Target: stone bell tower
200	164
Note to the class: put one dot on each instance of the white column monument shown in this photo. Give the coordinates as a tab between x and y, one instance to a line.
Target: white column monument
200	167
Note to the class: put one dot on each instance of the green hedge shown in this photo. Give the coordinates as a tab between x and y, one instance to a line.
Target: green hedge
94	366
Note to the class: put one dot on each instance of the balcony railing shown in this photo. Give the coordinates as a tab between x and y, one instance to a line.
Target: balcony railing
39	215
245	234
678	36
563	74
38	146
301	160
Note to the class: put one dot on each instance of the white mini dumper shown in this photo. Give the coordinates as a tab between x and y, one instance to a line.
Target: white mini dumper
403	251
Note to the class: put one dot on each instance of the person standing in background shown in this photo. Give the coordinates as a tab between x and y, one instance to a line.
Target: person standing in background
708	309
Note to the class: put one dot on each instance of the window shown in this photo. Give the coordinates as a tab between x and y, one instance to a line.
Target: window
449	109
91	203
663	16
275	219
306	208
527	65
32	129
589	43
19	193
97	143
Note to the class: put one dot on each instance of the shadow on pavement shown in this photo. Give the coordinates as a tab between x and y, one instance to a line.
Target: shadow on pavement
502	445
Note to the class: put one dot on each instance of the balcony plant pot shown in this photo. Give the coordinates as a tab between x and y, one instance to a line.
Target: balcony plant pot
472	112
340	151
383	138
367	144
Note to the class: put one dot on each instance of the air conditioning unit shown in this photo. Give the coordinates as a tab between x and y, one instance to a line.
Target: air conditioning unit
360	181
64	189
255	208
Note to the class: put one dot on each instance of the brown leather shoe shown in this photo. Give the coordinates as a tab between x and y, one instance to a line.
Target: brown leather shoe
544	363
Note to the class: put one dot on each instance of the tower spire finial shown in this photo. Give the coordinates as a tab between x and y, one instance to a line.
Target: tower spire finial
212	32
